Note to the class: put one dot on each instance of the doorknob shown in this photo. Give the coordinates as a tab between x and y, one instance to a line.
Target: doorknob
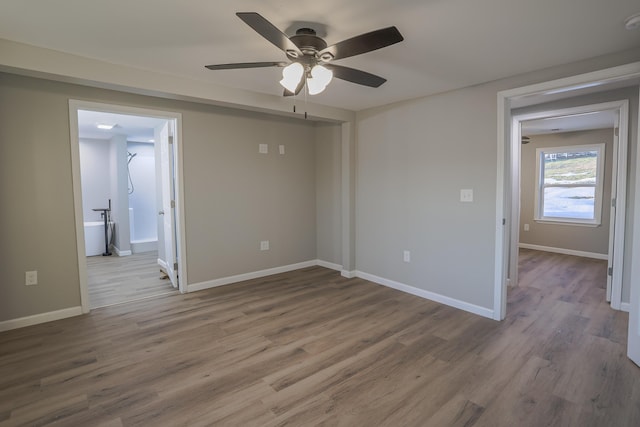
161	213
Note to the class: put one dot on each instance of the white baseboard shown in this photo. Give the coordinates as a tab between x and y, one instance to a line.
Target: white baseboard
452	302
248	276
564	251
327	264
144	246
625	306
348	274
39	318
119	252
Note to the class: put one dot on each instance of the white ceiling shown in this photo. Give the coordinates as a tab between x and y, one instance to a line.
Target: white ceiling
448	44
576	122
135	128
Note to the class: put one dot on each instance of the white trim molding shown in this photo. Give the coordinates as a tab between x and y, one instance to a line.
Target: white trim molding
119	252
625	306
248	276
36	319
348	274
330	265
452	302
584	254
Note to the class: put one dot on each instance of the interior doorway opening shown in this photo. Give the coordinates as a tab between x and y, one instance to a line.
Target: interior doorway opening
128	161
607	237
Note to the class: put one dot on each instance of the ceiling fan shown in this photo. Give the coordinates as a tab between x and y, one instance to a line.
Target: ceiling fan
310	58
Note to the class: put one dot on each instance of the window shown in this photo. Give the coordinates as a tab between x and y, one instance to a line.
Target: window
569	184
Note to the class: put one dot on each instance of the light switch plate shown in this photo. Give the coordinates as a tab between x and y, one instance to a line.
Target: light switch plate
264	245
263	148
281	148
466	195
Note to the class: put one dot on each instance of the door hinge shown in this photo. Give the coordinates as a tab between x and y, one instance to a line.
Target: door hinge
170	139
610	271
175	266
613	202
504	221
173	203
616	131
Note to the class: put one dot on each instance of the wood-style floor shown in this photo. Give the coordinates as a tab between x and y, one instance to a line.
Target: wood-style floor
312	348
114	279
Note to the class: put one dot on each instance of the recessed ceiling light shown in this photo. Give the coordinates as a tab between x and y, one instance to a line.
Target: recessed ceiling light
105	126
632	22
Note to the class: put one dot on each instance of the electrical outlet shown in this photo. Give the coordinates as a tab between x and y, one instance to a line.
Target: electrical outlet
264	245
31	278
406	256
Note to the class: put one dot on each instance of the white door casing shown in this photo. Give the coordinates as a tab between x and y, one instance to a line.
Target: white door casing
633	337
167	214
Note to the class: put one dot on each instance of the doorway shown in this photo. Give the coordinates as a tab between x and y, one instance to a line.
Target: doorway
592	218
131	158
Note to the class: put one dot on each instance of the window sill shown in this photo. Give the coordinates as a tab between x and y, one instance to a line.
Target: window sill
560	221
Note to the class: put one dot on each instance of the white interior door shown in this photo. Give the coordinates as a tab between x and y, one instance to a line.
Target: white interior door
168	203
612	215
514	232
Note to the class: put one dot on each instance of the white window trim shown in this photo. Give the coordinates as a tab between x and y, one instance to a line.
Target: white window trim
538	207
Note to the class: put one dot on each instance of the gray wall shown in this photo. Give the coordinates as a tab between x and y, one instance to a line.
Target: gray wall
413	158
142	170
328	182
234	197
94	170
563	236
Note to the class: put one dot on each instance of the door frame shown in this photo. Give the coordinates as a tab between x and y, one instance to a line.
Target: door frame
74	106
504	181
618	188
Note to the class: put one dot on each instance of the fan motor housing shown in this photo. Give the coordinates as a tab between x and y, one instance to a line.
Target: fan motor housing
308	42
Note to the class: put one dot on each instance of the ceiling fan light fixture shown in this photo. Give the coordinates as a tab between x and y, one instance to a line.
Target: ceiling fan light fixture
319	80
314	86
291	76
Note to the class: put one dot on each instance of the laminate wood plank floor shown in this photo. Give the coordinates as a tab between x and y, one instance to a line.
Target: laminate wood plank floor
115	279
310	347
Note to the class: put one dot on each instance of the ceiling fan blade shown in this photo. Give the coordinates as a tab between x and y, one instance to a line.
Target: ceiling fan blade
298	88
246	65
355	76
267	30
364	43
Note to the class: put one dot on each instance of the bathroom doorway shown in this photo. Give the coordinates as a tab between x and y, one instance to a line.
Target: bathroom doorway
125	172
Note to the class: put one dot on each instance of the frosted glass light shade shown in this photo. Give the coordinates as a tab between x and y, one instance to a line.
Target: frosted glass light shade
291	75
320	78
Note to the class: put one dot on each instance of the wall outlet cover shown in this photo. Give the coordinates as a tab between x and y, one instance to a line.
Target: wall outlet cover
31	278
466	195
